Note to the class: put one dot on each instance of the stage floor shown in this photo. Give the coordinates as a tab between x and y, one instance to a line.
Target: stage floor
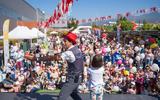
50	96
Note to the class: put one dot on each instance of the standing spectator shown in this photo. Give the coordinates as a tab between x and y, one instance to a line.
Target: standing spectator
96	78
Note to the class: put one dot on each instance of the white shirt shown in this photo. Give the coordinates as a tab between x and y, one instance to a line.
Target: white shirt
68	56
96	76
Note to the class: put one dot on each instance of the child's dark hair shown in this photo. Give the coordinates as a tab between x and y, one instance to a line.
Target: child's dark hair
97	61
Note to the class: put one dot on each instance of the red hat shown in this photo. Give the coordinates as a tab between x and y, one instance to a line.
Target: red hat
71	37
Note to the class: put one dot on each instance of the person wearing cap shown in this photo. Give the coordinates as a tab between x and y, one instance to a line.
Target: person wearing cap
74	58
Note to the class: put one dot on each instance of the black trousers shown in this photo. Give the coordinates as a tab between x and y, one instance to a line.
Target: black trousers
70	88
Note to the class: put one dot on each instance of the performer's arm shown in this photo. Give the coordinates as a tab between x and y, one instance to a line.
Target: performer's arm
55	57
65	56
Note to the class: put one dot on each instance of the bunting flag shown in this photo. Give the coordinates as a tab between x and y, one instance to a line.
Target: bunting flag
127	14
46	24
109	17
154	9
64	6
66	9
97	19
54	16
59	13
50	20
103	18
89	20
140	11
61	9
53	20
69	2
144	11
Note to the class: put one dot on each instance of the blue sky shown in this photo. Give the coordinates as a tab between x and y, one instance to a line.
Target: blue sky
82	9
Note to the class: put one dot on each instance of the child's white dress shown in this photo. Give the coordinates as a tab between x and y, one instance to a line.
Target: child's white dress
96	82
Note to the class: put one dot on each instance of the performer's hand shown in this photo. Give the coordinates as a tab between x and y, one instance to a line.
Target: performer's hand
30	57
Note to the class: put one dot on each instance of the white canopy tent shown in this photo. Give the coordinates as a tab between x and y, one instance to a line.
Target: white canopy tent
54	32
36	33
22	32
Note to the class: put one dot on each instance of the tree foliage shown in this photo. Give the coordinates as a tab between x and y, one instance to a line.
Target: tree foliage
147	26
157	27
72	23
150	26
109	28
126	25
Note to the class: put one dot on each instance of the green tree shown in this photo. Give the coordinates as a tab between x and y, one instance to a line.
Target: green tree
108	28
114	27
94	25
126	25
147	26
72	23
156	27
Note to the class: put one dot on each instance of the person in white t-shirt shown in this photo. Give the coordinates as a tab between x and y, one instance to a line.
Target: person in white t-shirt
96	83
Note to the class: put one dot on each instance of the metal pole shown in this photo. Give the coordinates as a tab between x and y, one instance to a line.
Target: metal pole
118	33
37	14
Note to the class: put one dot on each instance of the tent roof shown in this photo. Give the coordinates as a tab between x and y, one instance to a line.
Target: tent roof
37	33
22	32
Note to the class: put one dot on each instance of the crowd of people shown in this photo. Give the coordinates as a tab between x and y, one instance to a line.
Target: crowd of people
129	67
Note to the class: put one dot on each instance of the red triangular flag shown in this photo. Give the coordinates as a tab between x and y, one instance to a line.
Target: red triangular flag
66	8
63	5
55	14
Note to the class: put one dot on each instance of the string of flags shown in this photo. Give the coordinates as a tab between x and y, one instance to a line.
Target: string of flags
127	15
63	8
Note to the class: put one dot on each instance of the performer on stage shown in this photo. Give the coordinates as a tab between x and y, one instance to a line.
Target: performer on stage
74	58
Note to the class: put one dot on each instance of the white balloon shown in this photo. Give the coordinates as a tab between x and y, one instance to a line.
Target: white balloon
138	58
136	49
142	56
109	64
154	67
133	70
115	89
130	61
108	49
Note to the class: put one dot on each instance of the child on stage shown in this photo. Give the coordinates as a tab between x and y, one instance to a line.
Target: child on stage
96	83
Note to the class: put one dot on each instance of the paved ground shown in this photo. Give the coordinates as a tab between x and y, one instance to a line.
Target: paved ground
49	96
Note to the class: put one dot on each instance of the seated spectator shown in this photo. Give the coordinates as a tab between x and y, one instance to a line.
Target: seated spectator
8	84
132	88
51	84
32	87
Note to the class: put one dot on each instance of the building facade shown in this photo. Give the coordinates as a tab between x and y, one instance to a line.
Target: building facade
18	10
